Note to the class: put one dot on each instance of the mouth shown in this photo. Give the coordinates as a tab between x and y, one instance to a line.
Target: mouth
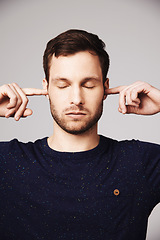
75	115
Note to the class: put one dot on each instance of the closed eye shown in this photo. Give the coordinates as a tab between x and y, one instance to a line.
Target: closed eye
90	87
89	84
65	86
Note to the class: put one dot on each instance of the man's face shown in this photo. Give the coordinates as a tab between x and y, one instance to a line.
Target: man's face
76	92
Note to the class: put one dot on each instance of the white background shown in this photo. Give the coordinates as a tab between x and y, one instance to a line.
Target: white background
131	31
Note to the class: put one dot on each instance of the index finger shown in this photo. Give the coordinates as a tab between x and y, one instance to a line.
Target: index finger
34	91
114	90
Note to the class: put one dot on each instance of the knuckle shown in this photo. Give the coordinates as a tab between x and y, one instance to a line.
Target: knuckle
10	84
141	83
14	98
5	86
138	82
19	102
26	100
147	85
134	91
122	93
14	84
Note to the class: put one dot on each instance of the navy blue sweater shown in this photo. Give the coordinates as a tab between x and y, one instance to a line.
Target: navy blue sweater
106	193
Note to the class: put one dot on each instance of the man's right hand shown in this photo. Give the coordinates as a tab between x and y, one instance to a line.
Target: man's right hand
13	100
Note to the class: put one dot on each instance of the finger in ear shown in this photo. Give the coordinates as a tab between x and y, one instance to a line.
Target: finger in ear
45	86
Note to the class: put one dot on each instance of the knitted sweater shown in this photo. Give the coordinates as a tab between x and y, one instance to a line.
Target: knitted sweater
106	193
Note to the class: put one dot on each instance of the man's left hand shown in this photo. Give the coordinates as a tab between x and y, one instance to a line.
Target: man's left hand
138	98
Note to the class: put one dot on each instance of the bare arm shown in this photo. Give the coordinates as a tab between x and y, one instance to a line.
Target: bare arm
13	100
138	98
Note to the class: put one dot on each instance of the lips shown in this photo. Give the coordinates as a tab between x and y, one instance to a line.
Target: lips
75	113
76	116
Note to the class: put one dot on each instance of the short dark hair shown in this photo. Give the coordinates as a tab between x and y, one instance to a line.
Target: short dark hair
73	41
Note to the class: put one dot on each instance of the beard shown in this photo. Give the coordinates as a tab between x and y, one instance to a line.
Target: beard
76	126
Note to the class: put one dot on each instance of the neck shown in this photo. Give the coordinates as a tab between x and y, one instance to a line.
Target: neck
66	142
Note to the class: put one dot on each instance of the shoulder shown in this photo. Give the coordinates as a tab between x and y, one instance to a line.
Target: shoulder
133	144
15	153
140	147
132	148
15	146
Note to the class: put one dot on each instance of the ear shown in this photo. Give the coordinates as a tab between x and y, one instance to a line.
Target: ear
106	86
45	85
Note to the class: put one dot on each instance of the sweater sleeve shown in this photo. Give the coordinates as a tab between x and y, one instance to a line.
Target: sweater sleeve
150	157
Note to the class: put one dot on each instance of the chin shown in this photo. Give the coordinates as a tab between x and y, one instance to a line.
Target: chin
78	130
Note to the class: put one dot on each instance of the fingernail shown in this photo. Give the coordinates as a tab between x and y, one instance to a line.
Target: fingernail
17	118
123	110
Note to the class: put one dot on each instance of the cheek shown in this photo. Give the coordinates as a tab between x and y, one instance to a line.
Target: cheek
96	98
56	97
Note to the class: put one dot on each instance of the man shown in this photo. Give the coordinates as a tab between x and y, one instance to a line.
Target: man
77	184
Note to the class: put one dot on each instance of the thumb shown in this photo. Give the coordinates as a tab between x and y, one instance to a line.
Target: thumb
27	112
131	109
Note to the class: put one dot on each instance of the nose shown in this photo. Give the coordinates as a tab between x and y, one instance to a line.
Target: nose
76	96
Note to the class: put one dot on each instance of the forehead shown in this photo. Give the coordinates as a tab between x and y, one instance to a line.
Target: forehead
81	64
